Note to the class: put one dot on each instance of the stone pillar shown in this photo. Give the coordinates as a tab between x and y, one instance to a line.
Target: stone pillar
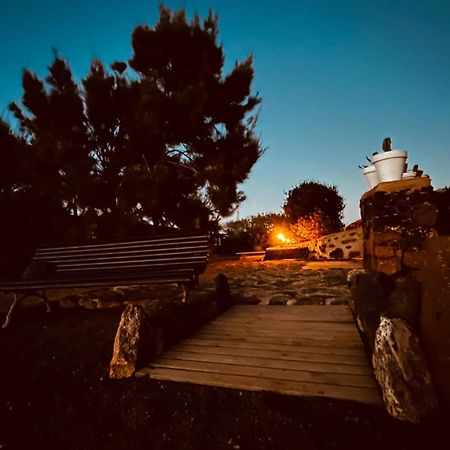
406	229
397	217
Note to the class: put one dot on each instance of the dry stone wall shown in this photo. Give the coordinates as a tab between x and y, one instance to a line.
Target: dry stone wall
347	244
406	233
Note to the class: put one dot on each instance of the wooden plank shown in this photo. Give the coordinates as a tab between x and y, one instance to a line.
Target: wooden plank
291	327
310	366
285	353
365	395
298	336
284	324
295	312
313	313
267	372
295	315
293	340
283	335
276	346
300	309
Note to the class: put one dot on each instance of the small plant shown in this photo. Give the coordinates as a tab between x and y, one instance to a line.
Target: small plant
387	144
364	166
417	172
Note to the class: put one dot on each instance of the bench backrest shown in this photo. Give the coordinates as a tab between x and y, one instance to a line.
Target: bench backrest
162	252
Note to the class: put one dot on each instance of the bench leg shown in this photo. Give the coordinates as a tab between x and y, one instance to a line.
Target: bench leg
12	308
18	300
47	303
186	292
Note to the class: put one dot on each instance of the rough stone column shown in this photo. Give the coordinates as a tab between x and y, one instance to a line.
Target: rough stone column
396	218
406	229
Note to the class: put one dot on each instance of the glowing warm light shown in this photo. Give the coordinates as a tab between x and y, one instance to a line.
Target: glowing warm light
281	237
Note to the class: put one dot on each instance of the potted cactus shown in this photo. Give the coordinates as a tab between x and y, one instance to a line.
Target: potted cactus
370	173
390	164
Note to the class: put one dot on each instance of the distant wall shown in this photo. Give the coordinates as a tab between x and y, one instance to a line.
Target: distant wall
345	244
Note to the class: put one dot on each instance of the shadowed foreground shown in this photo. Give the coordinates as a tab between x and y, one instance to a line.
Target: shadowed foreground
55	393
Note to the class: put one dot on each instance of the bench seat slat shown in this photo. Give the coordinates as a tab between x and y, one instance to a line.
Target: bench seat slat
124	257
128	250
121	261
155	241
130	265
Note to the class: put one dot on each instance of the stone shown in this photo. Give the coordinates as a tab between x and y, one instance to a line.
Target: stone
414	259
384	251
401	371
337	254
126	342
369	299
98	303
404	301
386	237
389	266
279	299
68	302
425	214
335	301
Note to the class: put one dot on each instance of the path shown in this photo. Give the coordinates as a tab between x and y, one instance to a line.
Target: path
299	350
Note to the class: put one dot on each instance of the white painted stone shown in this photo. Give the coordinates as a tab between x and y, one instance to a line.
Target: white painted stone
125	352
402	372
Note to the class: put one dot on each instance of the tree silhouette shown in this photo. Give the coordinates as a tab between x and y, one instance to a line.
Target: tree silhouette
164	139
314	205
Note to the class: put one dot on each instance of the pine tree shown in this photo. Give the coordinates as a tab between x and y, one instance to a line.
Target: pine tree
165	138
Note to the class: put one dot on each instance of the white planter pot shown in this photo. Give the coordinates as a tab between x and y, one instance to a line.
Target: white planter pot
390	165
371	176
408	175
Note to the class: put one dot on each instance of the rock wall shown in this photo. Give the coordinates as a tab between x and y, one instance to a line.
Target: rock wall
345	244
397	217
406	232
435	311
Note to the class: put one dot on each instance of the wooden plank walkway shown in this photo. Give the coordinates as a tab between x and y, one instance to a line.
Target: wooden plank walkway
297	350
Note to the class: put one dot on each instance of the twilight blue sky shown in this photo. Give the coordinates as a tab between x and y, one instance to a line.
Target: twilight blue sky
336	77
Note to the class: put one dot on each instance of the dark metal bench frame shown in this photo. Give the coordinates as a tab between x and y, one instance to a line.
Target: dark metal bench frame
169	258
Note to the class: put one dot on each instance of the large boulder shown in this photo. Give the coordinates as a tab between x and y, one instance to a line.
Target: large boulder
402	372
126	342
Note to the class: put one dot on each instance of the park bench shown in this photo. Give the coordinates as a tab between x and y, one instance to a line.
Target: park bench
169	258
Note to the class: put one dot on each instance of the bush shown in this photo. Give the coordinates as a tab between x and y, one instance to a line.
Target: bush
314	209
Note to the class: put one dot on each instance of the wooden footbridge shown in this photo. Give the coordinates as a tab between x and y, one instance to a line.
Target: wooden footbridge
296	350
